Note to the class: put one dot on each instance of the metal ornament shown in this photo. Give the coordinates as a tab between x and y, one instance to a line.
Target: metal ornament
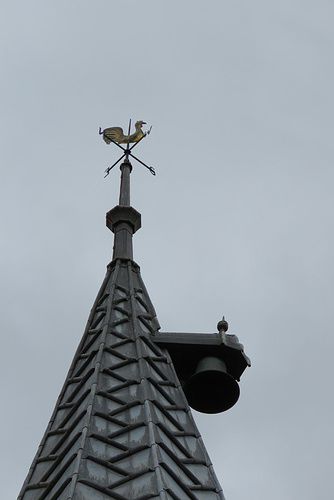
116	135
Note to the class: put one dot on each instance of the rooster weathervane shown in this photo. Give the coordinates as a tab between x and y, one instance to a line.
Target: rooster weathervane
116	135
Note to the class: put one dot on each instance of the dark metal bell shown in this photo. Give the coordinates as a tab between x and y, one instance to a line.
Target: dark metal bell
211	389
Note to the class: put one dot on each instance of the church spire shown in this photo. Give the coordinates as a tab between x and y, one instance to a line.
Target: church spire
122	428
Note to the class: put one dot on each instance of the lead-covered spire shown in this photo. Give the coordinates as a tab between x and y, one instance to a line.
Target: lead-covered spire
122	428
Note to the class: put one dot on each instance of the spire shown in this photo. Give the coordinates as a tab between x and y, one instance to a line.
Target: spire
122	428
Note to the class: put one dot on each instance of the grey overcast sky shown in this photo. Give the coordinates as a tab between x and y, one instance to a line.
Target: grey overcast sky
238	220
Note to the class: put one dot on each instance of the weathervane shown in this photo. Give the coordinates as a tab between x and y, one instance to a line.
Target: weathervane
116	135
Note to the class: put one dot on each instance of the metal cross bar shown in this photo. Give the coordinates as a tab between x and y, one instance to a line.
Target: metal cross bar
107	170
151	169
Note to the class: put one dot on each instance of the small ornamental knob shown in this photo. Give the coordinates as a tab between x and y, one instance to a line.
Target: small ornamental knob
222	325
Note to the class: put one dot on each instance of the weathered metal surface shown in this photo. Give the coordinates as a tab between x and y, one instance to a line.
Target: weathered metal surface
122	428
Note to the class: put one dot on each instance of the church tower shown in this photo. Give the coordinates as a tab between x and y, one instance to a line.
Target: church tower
122	428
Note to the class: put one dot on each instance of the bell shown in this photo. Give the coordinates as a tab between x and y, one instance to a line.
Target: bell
211	389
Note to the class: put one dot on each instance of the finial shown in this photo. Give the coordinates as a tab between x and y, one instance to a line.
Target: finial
123	220
117	136
222	325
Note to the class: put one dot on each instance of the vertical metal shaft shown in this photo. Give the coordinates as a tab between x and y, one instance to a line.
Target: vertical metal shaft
124	195
123	220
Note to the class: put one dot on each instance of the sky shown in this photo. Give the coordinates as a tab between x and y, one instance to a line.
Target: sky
237	221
